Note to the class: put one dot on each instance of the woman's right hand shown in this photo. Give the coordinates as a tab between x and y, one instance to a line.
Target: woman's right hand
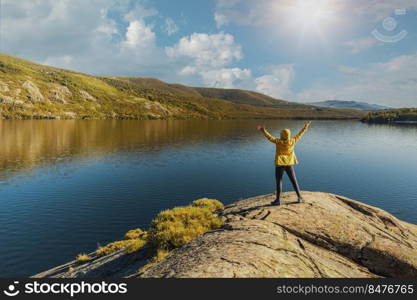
307	124
261	128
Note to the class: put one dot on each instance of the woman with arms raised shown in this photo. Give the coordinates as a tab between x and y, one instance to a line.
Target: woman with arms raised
285	158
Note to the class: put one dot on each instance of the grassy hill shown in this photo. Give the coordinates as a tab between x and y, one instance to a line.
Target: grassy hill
402	115
32	91
244	97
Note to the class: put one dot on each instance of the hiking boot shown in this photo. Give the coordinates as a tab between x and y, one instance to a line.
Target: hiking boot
276	202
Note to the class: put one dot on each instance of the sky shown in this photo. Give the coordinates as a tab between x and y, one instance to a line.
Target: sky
296	50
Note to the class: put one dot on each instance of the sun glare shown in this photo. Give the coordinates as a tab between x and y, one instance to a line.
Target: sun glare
306	20
308	16
315	13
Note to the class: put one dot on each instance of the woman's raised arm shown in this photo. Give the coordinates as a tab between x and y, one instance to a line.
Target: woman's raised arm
302	132
267	134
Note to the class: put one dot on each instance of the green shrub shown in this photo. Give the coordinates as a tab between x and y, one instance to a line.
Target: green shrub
178	226
129	246
160	255
83	258
211	204
170	229
135	234
134	240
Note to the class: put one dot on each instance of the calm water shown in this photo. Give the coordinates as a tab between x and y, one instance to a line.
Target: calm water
67	186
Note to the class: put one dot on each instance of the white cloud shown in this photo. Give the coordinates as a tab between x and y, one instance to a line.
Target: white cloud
81	35
221	20
207	50
361	44
241	12
61	61
393	82
170	27
208	57
88	36
390	83
346	69
227	77
140	12
277	83
139	35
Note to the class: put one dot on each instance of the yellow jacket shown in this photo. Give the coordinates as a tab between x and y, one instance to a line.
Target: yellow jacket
284	155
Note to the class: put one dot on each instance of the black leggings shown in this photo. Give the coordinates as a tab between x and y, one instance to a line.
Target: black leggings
279	171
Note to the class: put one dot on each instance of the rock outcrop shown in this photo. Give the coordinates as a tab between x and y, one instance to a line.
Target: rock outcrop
59	94
33	91
328	236
86	96
4	87
9	100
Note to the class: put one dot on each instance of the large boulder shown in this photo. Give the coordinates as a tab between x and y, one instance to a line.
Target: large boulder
328	236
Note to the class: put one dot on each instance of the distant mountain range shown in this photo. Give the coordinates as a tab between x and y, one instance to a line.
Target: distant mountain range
33	91
349	105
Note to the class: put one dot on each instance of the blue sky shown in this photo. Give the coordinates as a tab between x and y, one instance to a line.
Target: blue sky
298	50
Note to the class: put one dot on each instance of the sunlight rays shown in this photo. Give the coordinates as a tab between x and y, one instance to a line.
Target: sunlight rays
306	19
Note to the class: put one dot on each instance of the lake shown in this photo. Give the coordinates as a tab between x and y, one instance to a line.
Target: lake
68	186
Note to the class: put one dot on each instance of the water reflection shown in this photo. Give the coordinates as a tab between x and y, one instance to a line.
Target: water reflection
26	144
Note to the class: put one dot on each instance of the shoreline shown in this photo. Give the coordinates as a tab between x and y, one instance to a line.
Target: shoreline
176	119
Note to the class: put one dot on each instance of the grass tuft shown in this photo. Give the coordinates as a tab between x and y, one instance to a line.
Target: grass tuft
129	246
170	229
135	234
160	255
180	225
212	204
81	258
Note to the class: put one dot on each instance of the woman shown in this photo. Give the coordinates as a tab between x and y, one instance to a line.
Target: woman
285	158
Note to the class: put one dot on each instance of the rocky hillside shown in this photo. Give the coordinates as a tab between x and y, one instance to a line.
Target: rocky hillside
29	90
328	236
